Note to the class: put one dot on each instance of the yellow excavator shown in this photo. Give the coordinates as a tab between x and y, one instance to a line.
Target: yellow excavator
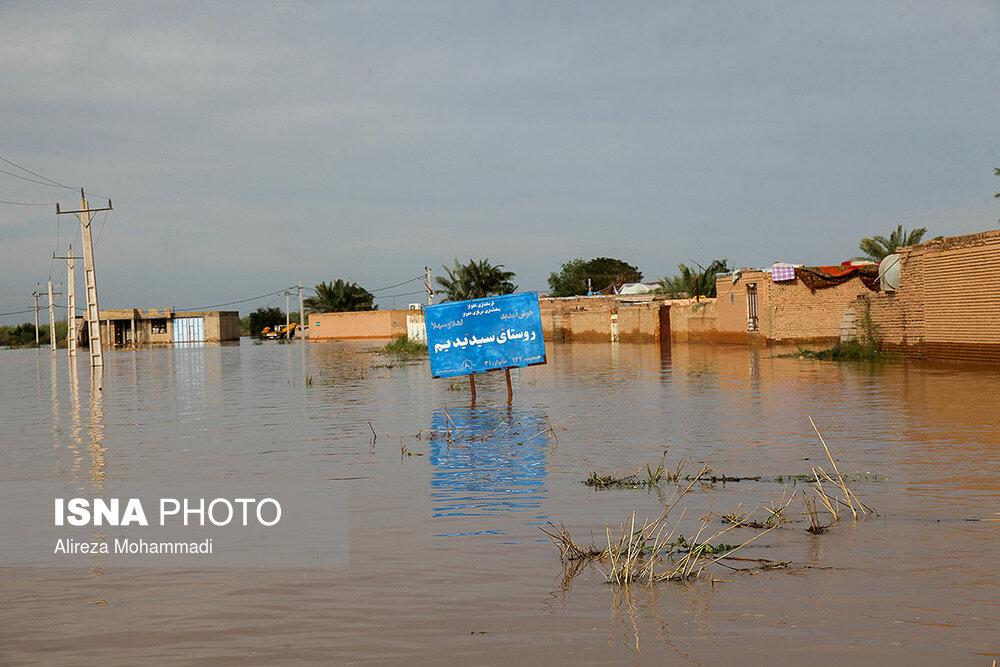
281	333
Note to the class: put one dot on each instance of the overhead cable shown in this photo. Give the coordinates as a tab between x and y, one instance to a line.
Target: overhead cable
21	203
382	289
233	303
25	169
389	296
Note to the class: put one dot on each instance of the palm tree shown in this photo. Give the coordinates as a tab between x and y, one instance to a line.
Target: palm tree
475	280
877	247
339	296
691	283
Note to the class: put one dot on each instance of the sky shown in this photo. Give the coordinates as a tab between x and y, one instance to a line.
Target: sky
247	146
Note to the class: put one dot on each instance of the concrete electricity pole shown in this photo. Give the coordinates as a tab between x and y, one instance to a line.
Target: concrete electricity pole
36	295
90	278
430	290
71	306
52	321
302	310
286	313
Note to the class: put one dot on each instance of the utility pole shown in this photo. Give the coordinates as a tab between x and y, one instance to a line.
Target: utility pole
427	283
302	310
286	314
71	306
36	295
90	278
52	321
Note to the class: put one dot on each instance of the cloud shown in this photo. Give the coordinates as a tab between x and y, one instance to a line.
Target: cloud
371	139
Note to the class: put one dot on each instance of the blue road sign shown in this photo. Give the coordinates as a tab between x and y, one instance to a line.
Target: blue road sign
465	337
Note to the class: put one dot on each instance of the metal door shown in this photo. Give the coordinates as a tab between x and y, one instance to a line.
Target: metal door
189	330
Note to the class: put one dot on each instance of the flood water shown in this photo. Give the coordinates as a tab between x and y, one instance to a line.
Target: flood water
446	562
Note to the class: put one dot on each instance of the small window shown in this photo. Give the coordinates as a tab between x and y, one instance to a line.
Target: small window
158	326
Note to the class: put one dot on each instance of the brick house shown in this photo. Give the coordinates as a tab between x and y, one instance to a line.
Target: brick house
787	304
947	302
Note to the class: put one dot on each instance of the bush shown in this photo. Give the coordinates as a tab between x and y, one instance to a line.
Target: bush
403	345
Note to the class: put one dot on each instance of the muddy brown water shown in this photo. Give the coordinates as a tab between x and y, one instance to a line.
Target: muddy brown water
446	560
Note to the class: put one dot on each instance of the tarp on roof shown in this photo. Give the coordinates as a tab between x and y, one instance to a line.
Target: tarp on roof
636	288
821	277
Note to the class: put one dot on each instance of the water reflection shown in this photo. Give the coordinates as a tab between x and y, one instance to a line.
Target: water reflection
55	401
76	423
488	461
96	431
189	382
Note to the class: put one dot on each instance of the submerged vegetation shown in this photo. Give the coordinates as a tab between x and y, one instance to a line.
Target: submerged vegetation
636	481
652	553
852	351
657	551
402	345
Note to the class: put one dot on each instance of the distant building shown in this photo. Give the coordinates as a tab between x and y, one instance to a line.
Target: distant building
364	324
626	318
134	328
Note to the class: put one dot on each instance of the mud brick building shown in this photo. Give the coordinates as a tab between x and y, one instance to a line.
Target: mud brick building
766	306
361	325
936	300
947	303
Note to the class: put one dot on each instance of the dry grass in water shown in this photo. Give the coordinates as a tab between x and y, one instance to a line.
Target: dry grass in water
652	552
830	502
774	514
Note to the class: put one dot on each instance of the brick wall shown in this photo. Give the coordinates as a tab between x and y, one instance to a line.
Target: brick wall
698	321
787	312
589	319
365	324
589	326
793	314
731	303
948	302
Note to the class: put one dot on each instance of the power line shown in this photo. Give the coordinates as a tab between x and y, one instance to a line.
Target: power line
101	230
31	310
233	303
389	296
31	180
21	203
25	169
382	289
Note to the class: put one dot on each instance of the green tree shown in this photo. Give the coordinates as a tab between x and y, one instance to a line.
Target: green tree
22	335
265	317
602	271
475	280
877	247
338	297
690	282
